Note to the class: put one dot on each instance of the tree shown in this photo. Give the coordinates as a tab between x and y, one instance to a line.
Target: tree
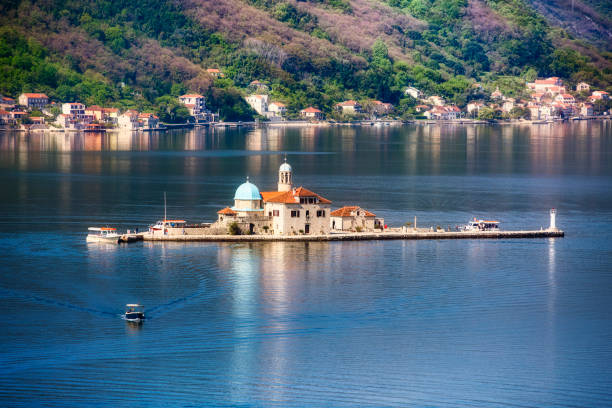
170	110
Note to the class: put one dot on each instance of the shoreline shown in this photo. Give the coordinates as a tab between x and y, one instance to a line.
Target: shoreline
360	236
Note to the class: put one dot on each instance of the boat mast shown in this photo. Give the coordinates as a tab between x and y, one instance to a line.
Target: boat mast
165	216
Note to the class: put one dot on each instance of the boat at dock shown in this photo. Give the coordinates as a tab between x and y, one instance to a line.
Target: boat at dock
481	225
134	312
103	234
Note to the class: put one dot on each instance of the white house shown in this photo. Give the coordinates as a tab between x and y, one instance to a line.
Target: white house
412	91
583	86
311	113
148	121
277	108
259	103
128	120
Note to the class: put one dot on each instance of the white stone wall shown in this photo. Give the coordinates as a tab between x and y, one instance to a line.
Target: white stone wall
284	224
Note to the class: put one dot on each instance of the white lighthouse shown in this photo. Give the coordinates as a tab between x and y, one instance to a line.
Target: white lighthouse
553	217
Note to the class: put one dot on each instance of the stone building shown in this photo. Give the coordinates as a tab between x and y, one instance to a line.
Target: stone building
354	218
286	211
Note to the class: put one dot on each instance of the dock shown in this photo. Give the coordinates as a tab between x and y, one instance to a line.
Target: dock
361	236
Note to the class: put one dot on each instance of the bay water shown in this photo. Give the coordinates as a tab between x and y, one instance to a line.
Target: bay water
442	323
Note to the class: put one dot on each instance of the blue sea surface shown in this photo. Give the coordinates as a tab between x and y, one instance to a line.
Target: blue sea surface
447	323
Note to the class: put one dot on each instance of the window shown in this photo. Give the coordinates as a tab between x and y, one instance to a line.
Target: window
302	200
295	214
320	213
275	213
307	213
311	200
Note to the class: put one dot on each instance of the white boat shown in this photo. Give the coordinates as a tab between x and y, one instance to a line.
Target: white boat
103	234
481	225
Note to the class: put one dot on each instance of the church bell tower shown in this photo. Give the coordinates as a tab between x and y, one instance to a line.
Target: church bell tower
285	177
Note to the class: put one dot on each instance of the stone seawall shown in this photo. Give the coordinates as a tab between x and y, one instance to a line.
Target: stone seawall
360	236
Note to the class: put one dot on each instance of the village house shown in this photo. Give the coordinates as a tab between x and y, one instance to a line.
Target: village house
33	100
421	108
586	109
311	113
259	103
5	118
474	107
6	102
449	112
436	100
508	104
582	87
215	72
565	98
74	108
100	114
37	120
277	108
553	86
354	218
258	86
497	94
148	121
287	211
599	95
128	120
16	115
348	107
68	122
412	91
381	108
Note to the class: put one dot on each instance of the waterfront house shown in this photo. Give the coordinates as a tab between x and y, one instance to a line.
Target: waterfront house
195	103
74	108
354	218
5	117
278	108
68	122
474	107
148	121
450	112
349	107
508	104
582	87
18	114
259	103
37	120
381	108
311	113
586	109
128	120
421	108
286	211
33	100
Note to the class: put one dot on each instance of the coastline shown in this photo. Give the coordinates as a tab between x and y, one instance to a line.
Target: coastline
416	235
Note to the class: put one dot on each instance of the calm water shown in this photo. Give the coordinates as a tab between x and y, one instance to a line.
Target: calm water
499	323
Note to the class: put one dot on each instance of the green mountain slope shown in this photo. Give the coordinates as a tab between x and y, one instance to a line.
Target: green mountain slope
319	52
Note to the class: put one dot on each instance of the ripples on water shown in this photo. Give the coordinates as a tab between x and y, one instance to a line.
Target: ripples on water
450	323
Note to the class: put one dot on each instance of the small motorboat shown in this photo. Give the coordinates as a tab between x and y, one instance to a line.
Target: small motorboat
103	234
134	312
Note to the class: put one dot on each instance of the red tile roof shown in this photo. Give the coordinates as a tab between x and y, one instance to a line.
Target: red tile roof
36	95
311	110
227	211
291	197
346	212
347	103
191	96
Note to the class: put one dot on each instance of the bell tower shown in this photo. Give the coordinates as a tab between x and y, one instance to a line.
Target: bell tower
285	177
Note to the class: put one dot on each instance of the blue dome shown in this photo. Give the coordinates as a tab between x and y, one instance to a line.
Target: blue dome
247	191
285	167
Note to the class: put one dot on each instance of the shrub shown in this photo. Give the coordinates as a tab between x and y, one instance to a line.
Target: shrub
234	229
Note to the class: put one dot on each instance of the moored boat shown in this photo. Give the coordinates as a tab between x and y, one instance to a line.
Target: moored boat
481	225
103	234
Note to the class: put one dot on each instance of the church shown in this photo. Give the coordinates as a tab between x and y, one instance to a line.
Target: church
288	211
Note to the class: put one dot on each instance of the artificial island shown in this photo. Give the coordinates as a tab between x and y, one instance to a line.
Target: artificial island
293	213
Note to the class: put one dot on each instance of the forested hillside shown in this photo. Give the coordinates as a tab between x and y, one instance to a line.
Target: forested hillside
140	54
